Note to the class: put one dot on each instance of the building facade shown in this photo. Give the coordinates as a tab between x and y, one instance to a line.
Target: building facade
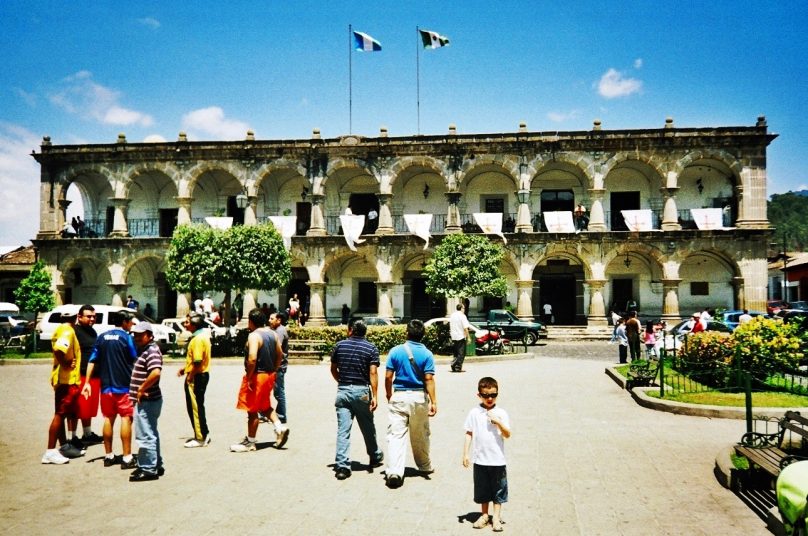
134	194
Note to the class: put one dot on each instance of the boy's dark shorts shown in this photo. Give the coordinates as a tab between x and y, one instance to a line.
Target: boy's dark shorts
66	400
490	484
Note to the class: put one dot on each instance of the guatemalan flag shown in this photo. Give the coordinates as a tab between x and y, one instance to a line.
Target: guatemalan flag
365	43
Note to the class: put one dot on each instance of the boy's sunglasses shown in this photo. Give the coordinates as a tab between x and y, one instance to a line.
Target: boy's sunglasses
488	395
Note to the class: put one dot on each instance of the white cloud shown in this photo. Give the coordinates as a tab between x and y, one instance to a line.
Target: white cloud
560	117
19	185
151	22
638	63
154	138
80	95
212	121
613	84
29	98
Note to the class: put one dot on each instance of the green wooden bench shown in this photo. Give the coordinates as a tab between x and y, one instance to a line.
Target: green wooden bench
305	351
772	452
642	372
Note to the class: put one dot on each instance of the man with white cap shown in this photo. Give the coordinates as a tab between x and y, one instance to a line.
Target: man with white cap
144	391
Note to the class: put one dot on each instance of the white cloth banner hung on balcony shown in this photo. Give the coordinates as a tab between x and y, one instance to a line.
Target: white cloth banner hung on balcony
419	225
490	223
559	221
708	218
286	227
637	220
352	226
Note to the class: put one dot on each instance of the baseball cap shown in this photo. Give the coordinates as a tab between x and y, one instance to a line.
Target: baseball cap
141	327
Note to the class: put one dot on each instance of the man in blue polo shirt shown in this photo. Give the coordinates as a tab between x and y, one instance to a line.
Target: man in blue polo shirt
354	365
409	383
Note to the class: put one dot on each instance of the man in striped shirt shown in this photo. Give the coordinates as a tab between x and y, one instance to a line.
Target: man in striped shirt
354	365
144	391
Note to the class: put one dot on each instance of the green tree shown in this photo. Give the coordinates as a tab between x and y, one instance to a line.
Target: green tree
465	265
201	259
787	214
34	295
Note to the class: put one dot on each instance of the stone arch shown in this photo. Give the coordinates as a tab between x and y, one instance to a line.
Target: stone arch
507	165
559	276
726	158
337	164
197	171
281	166
342	258
133	172
622	157
715	267
427	162
88	277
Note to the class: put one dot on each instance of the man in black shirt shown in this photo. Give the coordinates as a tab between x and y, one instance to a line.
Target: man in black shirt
88	407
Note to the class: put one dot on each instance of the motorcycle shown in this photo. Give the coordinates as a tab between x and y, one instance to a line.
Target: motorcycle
493	341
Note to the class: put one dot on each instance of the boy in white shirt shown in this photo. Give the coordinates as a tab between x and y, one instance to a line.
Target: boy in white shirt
487	427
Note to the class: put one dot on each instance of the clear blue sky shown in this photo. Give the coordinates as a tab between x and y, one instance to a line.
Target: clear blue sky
84	71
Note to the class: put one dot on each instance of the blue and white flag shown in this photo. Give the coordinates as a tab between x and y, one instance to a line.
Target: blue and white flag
365	43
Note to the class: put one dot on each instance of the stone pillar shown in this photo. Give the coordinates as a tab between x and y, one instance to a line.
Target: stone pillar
184	212
385	303
184	305
59	295
523	216
250	211
62	215
597	305
738	293
597	220
670	214
316	308
670	301
317	227
118	294
119	226
524	299
385	219
453	213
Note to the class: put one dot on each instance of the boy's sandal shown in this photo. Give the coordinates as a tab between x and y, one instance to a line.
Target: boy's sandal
497	525
481	522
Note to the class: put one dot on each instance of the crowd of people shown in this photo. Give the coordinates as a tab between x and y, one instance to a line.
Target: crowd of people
120	371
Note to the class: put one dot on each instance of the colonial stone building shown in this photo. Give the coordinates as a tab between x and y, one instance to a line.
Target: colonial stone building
134	194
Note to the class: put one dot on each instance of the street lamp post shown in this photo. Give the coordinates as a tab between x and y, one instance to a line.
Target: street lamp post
785	266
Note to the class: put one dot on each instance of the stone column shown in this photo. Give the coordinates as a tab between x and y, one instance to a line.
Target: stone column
524	299
118	293
59	295
670	214
453	213
738	292
63	204
316	308
119	226
670	300
385	219
183	304
250	211
184	212
597	305
317	227
523	216
385	303
597	220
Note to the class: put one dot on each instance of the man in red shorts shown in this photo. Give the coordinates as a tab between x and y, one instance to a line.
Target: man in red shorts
65	380
114	355
88	407
264	354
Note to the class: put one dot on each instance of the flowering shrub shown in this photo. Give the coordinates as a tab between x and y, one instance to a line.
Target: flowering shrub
384	337
707	357
766	345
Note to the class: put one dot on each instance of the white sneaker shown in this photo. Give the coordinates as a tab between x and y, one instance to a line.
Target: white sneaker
206	441
193	444
281	436
54	457
244	446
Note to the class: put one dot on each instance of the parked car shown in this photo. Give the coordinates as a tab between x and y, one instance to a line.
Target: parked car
183	335
442	323
516	329
12	325
104	321
374	320
730	318
674	337
773	306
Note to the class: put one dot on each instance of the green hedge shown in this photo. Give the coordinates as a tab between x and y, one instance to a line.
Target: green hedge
384	337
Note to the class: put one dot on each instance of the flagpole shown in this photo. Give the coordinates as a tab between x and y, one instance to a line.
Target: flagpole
418	77
350	82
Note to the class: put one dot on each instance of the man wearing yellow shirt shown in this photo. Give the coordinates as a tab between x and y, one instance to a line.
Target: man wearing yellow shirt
66	380
196	374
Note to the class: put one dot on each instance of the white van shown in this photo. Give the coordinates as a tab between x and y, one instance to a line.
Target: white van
9	308
163	336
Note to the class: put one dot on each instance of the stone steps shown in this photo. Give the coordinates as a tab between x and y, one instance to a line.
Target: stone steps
573	333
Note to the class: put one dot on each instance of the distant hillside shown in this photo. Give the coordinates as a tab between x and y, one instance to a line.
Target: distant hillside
803	193
787	214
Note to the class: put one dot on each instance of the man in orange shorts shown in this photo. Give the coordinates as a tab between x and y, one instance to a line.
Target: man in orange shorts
114	355
264	354
65	380
88	407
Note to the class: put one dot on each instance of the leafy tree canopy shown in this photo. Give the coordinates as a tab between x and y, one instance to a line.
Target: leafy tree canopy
200	258
465	265
787	213
34	295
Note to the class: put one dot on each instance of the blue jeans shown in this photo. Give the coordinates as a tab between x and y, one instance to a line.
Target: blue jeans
146	414
280	394
354	401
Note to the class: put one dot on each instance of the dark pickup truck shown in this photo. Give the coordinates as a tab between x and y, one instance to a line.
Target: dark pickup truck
513	328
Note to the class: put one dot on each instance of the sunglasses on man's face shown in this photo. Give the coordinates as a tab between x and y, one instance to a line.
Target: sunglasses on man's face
488	395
